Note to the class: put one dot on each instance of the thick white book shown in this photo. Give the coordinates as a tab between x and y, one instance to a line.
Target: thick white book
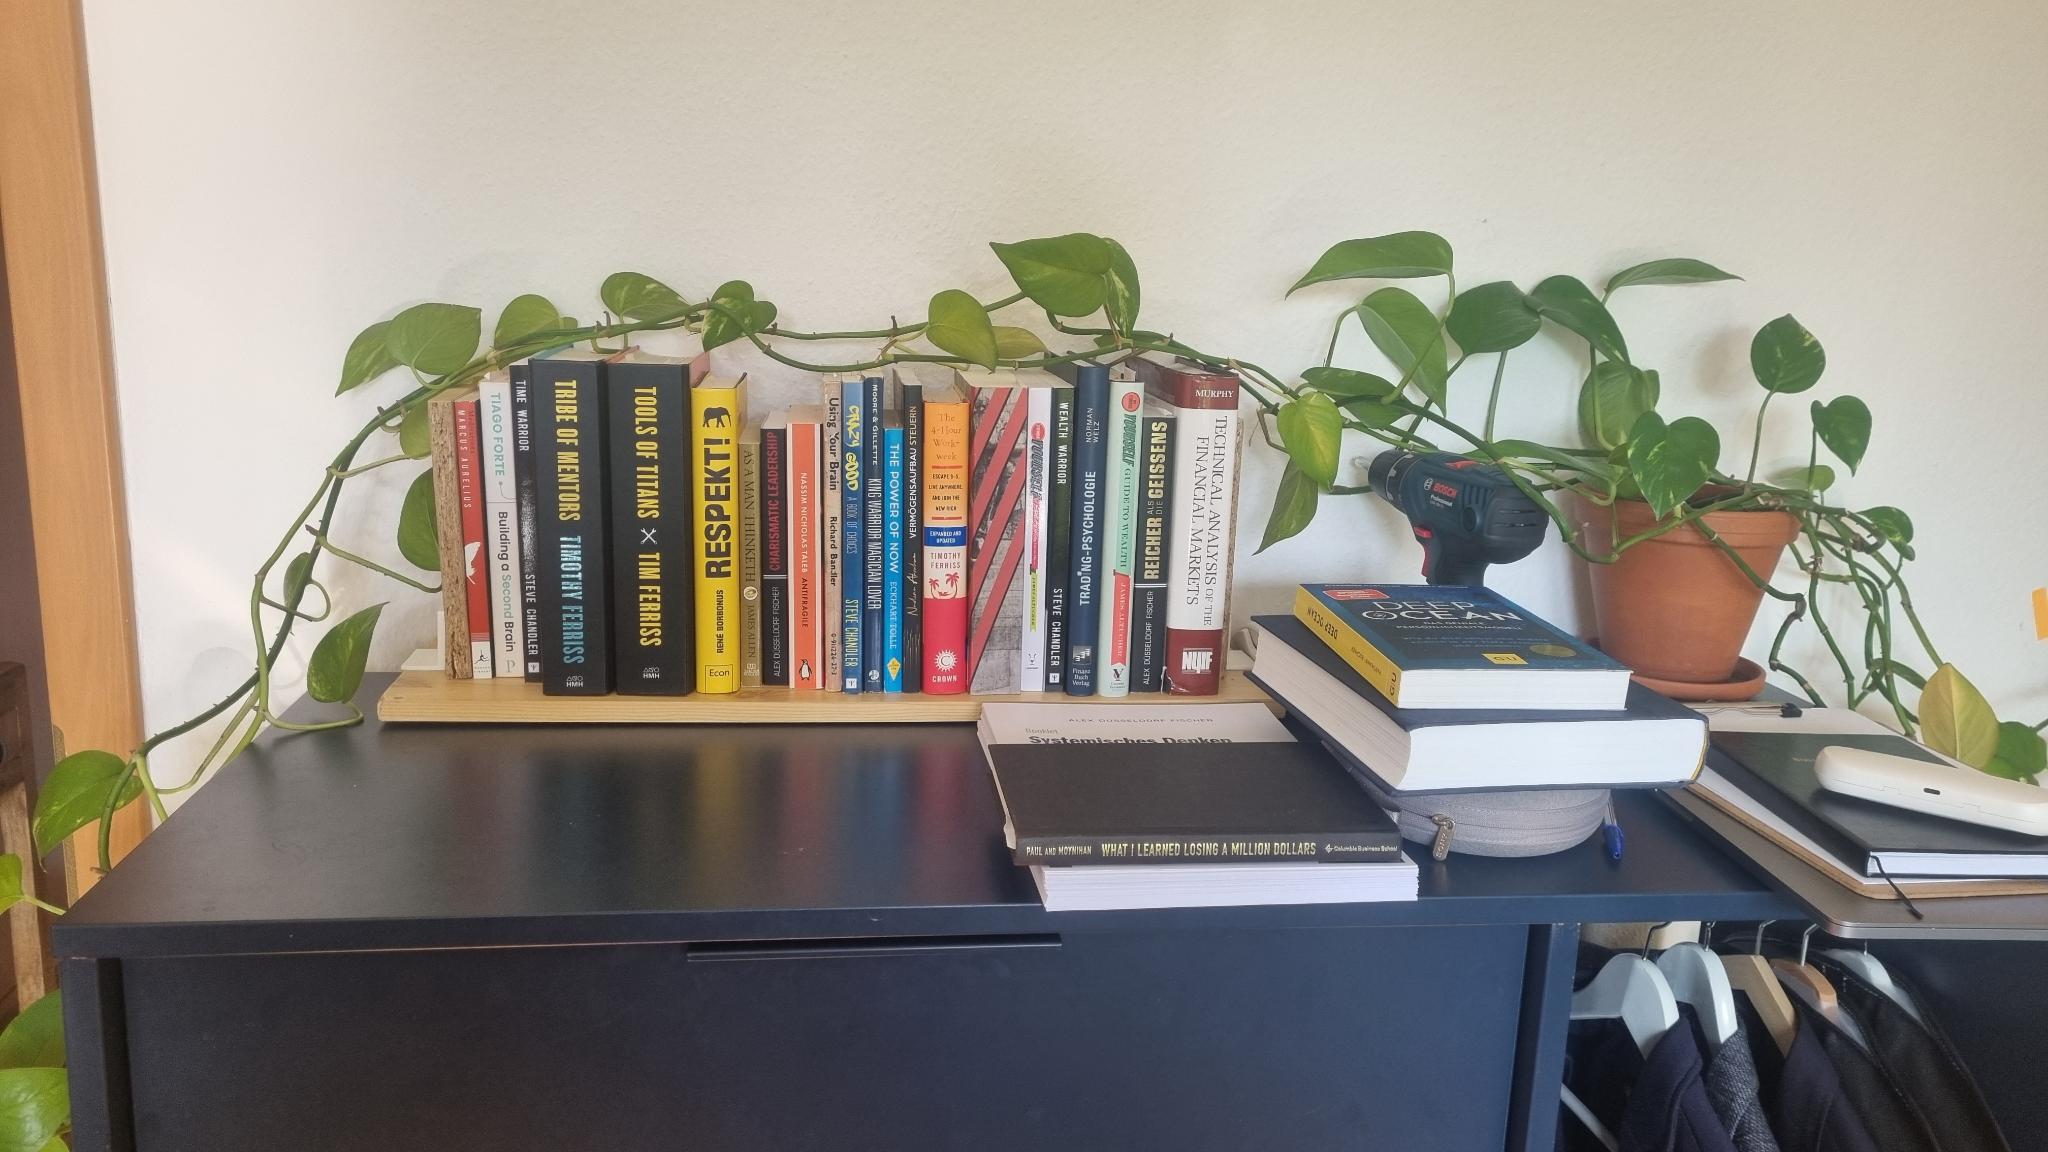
1037	526
501	524
1083	723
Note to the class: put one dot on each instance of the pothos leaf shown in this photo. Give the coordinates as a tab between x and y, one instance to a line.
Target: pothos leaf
1016	343
418	537
75	793
35	1039
1494	317
1669	462
524	316
367	358
738	314
1065	275
1956	720
1347	384
636	296
415	436
959	324
1567	300
2021	755
336	669
34	1104
435	339
1785	357
1396	256
1120	288
1312	431
1843	424
1673	270
1407	333
1614	396
1294	505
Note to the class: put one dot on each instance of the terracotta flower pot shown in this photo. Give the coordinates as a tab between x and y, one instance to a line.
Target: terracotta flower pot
1676	608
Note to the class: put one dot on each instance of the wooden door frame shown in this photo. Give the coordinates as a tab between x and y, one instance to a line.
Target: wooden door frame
63	359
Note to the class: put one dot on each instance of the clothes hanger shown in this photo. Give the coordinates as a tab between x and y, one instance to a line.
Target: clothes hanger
1808	979
1697	978
1631	990
1749	972
1870	970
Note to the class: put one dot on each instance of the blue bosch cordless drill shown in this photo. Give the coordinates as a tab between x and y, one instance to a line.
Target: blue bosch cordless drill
1466	514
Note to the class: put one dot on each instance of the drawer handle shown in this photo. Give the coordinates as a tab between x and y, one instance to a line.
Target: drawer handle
719	950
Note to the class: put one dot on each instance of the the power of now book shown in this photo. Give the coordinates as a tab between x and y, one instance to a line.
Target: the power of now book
1651	742
1425	646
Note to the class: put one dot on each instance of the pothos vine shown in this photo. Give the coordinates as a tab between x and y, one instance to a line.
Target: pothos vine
1086	288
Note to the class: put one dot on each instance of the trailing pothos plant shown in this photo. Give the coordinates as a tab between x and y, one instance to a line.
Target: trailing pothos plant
1085	288
1629	450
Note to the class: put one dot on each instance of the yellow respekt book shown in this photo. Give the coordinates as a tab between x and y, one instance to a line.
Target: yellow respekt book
1368	661
718	414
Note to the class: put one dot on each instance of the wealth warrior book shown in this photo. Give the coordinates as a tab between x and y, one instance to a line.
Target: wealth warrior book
718	411
892	556
529	519
1059	558
648	452
569	466
772	527
1120	533
1149	585
1090	383
853	529
808	482
750	557
476	580
945	539
1202	516
831	515
501	525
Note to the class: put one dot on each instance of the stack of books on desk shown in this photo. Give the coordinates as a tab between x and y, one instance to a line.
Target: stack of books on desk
1761	773
1149	806
1444	689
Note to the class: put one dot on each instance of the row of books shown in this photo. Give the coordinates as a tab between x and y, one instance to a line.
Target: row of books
617	523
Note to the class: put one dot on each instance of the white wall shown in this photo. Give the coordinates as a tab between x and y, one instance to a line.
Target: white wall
275	176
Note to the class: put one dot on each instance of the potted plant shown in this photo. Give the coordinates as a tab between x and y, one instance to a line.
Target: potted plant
1681	546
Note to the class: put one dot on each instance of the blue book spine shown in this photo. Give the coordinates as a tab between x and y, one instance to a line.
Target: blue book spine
871	535
892	559
853	438
1084	582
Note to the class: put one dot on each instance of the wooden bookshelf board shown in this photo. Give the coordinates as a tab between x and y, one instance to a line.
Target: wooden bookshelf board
436	698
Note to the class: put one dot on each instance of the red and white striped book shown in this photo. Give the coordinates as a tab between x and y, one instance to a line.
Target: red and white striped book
807	481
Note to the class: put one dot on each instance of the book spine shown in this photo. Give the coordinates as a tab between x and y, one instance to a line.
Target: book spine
1350	644
773	526
853	532
1149	587
807	627
476	579
647	452
1091	447
569	464
996	480
945	548
873	527
528	519
831	517
892	559
1202	523
1120	536
1037	527
1059	557
1235	848
750	559
501	527
912	582
717	414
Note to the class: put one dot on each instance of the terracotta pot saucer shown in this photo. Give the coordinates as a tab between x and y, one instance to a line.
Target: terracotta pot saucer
1744	685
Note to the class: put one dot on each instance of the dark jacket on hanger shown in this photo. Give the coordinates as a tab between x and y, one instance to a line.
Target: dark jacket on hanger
1732	1086
1922	1064
1892	1118
1652	1104
1802	1095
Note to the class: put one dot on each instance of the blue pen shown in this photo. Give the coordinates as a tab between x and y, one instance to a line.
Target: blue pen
1611	831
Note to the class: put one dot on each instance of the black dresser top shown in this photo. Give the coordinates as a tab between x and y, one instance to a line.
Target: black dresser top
409	836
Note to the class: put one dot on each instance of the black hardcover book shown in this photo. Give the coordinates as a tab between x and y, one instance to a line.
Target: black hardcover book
647	446
1186	803
1776	770
569	471
527	518
1084	579
872	529
910	404
1155	534
1059	544
773	528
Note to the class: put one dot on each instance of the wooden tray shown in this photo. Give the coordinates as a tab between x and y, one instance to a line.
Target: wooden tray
435	698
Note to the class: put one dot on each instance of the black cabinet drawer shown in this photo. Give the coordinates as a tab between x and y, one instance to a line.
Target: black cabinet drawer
1338	1038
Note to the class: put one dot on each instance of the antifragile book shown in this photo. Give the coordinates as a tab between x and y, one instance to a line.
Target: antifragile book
569	467
1202	515
648	458
718	411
